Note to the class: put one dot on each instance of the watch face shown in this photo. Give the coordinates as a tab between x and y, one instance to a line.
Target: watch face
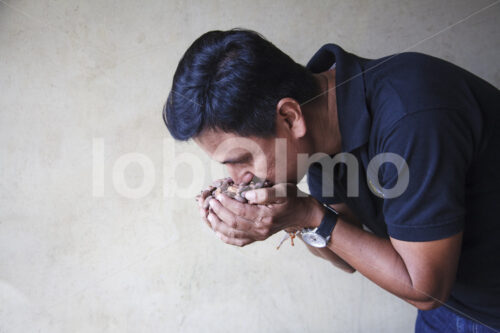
314	239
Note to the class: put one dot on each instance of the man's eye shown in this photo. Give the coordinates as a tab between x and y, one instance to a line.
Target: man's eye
243	160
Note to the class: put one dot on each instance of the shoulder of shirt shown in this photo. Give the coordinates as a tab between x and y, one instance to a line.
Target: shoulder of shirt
406	83
402	61
408	69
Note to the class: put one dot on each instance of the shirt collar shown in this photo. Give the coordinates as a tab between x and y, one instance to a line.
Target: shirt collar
354	118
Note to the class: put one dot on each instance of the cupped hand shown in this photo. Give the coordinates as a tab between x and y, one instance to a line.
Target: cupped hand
269	210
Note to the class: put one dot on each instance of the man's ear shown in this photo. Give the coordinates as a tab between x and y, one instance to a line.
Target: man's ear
290	116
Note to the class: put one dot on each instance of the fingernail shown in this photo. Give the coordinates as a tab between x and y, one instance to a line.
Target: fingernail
218	197
250	195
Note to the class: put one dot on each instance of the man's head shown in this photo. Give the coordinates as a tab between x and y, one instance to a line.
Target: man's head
237	85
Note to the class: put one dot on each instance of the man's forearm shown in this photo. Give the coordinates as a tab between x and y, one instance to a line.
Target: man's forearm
376	258
372	256
329	255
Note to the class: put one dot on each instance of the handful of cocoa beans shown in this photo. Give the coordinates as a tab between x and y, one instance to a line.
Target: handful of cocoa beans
236	191
232	190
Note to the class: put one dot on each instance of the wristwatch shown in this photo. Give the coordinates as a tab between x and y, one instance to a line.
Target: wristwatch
320	236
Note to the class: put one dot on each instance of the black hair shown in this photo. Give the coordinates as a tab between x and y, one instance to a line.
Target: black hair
232	80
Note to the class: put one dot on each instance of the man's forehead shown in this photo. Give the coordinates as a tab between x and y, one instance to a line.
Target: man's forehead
211	140
223	145
230	150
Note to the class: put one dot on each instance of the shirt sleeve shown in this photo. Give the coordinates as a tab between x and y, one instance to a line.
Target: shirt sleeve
437	148
317	181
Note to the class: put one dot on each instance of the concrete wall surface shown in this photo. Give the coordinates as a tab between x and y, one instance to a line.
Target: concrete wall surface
92	238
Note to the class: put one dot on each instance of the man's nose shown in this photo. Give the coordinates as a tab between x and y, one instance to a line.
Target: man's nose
242	178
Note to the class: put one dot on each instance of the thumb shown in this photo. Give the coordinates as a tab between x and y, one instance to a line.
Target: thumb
267	195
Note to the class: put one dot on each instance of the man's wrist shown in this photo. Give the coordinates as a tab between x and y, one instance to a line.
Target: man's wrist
316	212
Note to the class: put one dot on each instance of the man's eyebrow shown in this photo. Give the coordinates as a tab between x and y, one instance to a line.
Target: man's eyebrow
236	159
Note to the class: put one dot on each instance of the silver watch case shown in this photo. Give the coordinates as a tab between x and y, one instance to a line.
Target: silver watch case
311	237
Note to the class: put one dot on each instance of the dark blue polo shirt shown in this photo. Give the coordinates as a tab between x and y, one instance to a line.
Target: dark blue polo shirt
445	123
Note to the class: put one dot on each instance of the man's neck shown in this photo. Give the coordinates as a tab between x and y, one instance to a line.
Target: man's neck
326	131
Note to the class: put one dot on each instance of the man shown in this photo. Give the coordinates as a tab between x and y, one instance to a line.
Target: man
418	141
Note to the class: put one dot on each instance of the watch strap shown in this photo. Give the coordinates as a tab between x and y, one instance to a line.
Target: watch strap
328	222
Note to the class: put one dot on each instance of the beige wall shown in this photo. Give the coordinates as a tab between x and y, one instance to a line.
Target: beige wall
76	76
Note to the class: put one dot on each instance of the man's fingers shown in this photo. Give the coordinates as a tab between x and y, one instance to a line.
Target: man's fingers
205	202
201	198
224	229
234	241
226	234
257	229
249	212
203	215
230	218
